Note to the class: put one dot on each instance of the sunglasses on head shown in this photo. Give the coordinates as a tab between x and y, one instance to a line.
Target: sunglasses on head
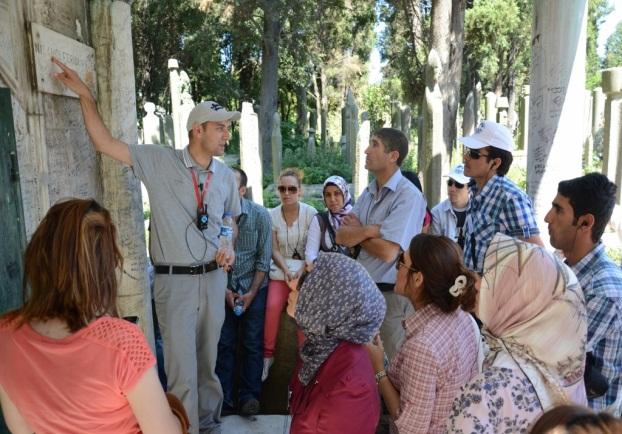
451	182
292	189
400	263
474	154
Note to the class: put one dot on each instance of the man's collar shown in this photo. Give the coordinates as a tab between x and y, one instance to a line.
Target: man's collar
391	183
490	184
190	162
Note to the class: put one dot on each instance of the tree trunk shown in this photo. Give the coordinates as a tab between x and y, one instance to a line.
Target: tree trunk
269	78
318	103
301	110
447	38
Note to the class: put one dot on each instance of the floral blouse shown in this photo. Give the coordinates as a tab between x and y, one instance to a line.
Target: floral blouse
499	400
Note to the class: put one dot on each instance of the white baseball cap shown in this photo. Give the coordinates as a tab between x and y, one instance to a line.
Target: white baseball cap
210	111
457	174
489	133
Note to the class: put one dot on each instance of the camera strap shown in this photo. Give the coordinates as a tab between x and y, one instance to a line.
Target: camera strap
200	197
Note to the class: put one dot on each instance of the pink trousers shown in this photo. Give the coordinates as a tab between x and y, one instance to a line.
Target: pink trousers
278	291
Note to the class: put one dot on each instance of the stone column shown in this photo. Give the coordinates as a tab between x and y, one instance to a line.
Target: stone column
468	115
277	147
311	144
359	173
491	107
598	118
173	74
351	125
556	102
151	125
588	140
112	39
406	120
396	116
477	98
523	119
612	158
249	150
434	160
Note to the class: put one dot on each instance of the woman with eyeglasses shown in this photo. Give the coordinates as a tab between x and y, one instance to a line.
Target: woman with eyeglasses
321	236
440	352
69	364
448	217
290	225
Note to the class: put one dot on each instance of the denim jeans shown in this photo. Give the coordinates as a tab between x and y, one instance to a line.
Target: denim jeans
248	329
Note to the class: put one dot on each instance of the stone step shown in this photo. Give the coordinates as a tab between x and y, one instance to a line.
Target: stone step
261	424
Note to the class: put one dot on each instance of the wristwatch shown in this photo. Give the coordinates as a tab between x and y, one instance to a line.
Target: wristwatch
380	375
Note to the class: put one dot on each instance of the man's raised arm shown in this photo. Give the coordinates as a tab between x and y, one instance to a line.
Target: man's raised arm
99	133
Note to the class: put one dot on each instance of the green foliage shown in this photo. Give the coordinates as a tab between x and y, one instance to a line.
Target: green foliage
613	48
518	175
377	98
318	167
597	11
614	253
497	44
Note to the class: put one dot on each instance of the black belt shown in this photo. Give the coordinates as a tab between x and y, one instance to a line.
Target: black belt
385	287
193	269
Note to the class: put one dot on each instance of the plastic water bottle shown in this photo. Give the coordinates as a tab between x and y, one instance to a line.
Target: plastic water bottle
238	306
225	238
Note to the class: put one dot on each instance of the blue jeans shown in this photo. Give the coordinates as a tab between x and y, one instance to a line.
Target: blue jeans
248	328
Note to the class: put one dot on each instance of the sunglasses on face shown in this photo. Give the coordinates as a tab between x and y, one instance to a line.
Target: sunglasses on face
452	183
474	154
400	263
292	189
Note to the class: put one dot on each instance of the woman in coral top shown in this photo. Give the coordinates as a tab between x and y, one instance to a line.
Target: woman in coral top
69	365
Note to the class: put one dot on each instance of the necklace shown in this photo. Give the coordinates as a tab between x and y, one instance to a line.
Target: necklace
295	254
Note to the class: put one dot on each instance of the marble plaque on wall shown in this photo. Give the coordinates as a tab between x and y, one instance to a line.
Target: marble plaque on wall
78	56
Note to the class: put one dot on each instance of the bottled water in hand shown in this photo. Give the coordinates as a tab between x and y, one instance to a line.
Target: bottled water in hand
238	306
225	238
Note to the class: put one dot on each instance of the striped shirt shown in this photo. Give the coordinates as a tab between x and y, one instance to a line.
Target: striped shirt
499	207
601	280
253	247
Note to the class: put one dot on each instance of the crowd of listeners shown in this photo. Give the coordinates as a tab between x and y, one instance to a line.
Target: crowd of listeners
453	320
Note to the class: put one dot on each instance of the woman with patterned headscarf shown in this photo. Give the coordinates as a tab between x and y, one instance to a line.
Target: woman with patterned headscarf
339	310
322	230
535	325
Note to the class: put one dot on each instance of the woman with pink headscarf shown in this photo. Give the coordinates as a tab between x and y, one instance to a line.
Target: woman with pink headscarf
534	319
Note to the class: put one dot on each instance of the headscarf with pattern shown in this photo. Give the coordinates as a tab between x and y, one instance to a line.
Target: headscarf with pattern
534	315
338	301
341	184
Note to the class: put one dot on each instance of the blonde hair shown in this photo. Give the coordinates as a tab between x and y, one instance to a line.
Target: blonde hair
293	172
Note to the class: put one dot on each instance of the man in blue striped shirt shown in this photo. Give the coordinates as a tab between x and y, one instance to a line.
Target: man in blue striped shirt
248	285
576	221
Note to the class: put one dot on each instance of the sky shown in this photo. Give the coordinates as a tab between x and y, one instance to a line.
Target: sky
607	28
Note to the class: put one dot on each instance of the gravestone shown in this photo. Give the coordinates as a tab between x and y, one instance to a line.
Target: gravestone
598	119
249	151
181	102
468	115
396	115
406	120
351	125
612	161
491	107
502	111
151	125
360	175
477	100
433	160
556	101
